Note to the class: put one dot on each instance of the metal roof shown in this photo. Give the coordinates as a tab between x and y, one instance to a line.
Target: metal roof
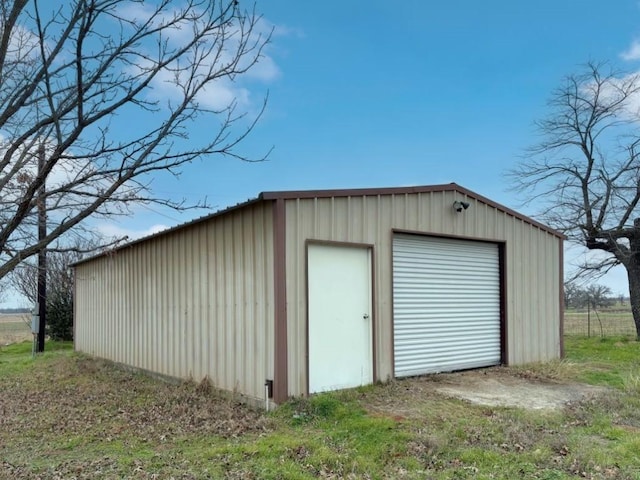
351	192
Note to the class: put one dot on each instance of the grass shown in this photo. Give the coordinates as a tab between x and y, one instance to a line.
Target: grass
611	361
64	415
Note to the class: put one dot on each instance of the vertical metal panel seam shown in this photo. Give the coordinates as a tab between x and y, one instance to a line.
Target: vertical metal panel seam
280	374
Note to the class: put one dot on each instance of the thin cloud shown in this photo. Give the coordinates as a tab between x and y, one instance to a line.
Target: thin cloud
111	230
225	91
632	53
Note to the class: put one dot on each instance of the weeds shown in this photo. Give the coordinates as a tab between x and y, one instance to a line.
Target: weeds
89	419
631	382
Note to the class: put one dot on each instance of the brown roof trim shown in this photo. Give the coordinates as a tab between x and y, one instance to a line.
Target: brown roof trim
354	192
180	226
349	192
447	187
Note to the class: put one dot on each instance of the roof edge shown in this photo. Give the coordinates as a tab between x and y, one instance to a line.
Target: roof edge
347	192
351	192
169	230
447	187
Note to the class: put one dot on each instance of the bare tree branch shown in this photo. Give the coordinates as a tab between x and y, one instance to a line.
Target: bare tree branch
71	72
586	170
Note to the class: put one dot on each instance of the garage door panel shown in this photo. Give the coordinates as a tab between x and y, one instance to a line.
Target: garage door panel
417	336
415	310
446	304
415	313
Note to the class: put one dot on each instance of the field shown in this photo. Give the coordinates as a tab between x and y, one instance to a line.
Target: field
15	328
605	322
64	415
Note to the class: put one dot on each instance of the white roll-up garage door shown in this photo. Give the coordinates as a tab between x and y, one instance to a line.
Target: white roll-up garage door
446	304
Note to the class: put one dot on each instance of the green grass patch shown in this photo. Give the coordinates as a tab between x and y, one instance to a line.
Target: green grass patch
18	358
90	419
611	361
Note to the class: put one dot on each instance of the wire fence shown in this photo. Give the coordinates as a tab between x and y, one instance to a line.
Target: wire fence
608	323
594	323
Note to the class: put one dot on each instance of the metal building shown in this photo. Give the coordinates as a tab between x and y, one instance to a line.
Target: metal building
309	291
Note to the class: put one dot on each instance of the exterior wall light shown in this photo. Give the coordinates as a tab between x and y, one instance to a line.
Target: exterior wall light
460	206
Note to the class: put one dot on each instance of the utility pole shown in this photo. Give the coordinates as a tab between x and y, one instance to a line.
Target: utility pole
42	254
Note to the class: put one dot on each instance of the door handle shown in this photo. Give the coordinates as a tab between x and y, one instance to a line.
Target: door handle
365	316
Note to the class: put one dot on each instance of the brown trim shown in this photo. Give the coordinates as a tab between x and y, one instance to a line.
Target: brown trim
504	324
305	194
448	187
356	192
443	235
338	243
374	316
393	331
306	323
561	299
280	363
371	249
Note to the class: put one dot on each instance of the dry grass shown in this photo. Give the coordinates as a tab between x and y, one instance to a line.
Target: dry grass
15	328
87	418
64	415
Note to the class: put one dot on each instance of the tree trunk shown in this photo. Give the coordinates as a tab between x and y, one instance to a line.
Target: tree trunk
633	273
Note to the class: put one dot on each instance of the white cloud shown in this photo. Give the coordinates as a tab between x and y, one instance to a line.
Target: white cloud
612	90
218	94
632	53
113	230
265	70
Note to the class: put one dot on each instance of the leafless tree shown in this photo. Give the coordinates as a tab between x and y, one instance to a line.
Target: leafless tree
24	278
72	76
586	169
60	280
592	295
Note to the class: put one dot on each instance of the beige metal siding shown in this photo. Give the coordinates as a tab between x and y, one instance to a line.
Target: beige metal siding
532	262
195	302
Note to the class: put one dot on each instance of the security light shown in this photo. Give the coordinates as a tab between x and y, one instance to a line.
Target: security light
459	206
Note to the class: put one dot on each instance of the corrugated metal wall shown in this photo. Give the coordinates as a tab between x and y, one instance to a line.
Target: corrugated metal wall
192	303
532	261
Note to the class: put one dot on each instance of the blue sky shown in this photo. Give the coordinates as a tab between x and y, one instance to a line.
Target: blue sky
379	93
393	93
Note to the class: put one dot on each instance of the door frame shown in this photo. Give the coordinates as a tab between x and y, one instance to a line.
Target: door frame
331	243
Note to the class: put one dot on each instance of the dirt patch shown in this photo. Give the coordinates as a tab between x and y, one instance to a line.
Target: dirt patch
496	387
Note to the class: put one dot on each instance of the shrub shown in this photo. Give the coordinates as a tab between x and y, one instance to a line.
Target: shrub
60	313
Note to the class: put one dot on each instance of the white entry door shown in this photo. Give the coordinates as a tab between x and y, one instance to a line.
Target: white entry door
340	320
